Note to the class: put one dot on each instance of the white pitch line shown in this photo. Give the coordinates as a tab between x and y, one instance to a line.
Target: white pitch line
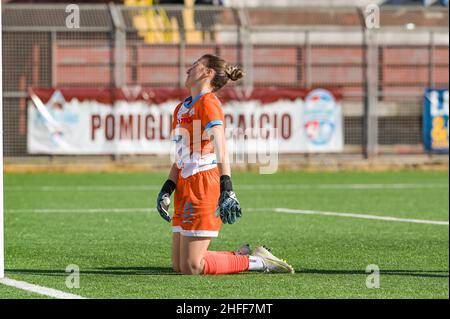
245	209
144	188
81	210
339	186
362	216
99	210
50	292
86	188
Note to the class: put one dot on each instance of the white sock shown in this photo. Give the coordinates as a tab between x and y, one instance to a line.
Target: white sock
255	263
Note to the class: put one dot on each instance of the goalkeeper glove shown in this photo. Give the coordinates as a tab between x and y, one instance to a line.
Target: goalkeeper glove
228	208
167	190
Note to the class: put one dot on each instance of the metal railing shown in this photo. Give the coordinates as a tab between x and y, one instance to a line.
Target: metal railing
381	72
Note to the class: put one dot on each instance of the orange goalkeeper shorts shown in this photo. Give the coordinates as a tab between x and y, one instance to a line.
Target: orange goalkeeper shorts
196	199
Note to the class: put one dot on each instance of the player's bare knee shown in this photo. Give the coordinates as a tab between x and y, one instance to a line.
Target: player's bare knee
176	268
185	270
191	268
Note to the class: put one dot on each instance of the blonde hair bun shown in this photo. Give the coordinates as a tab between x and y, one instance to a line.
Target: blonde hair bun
223	71
234	73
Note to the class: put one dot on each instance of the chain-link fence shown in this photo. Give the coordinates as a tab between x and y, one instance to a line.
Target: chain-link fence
382	72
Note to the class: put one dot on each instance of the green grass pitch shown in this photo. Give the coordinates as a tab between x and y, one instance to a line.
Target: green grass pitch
98	222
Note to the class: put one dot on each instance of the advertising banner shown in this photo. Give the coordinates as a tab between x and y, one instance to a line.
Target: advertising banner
435	120
95	121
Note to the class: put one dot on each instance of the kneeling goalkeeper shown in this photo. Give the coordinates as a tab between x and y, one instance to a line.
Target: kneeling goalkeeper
201	179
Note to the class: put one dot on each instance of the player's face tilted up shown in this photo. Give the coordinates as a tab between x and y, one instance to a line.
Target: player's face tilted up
201	179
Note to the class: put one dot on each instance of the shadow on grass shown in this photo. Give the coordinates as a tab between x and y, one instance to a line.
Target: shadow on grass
396	272
115	271
152	271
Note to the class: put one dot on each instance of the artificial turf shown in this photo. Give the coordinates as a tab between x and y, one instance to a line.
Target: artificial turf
123	251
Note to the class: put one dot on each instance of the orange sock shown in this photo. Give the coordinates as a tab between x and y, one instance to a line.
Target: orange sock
224	262
213	252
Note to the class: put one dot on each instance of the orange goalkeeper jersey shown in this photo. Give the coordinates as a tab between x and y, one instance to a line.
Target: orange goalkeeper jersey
191	119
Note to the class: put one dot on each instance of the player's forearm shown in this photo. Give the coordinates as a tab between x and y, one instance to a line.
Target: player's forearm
173	174
221	150
224	168
223	161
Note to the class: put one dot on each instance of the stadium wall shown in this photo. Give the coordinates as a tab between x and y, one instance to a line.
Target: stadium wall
44	53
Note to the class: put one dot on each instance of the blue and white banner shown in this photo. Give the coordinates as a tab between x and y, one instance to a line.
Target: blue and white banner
102	122
435	120
322	122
